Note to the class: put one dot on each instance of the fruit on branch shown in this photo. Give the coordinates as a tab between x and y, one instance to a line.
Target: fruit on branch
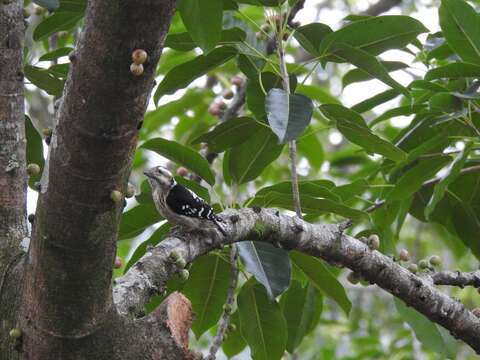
374	242
136	69
435	260
423	264
413	268
118	262
404	255
116	196
33	169
181	263
184	274
181	171
15	333
139	56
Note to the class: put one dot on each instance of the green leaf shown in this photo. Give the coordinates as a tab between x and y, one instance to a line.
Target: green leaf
412	180
207	289
73	5
399	111
368	63
376	34
459	23
182	155
353	127
55	54
228	134
44	79
235	342
153	240
300	306
244	164
359	75
203	20
137	219
314	188
322	279
444	102
60	21
261	323
317	93
183	41
349	191
446	179
310	205
34	149
311	148
50	5
376	100
256	96
311	35
288	115
427	332
454	70
270	265
182	75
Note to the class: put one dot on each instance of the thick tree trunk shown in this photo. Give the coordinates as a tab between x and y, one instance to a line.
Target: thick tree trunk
13	222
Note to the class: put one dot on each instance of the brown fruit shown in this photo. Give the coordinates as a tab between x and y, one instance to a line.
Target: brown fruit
237	80
139	56
118	262
374	242
116	196
227	94
33	169
214	109
136	69
404	255
181	171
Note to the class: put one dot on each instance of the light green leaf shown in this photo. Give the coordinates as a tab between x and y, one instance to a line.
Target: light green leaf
60	21
311	35
182	155
44	79
55	54
137	219
359	75
453	70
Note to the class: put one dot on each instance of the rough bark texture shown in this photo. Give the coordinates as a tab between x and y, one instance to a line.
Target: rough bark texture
13	222
67	304
151	272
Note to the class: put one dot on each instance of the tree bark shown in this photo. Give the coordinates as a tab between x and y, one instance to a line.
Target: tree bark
13	221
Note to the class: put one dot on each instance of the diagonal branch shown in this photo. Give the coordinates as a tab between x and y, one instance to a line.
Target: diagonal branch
457	278
149	275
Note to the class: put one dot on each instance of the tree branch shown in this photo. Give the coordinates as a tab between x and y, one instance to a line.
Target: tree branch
132	291
457	278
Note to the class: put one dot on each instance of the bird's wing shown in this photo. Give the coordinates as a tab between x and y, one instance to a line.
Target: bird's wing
185	202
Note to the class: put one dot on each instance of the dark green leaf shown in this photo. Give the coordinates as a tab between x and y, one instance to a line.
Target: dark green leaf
368	63
376	34
261	323
300	308
228	134
322	279
207	289
459	23
184	42
55	54
43	79
399	111
203	20
288	115
60	21
235	342
454	70
270	265
413	179
311	35
318	94
182	75
353	127
358	75
182	155
446	179
249	159
314	188
137	219
444	102
311	148
376	100
427	332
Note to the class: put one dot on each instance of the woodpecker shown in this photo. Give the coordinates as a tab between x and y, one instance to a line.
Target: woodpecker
180	205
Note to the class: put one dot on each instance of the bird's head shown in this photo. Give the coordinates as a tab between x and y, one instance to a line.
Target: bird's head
160	178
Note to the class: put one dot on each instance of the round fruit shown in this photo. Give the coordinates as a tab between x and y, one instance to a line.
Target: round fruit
136	69
139	56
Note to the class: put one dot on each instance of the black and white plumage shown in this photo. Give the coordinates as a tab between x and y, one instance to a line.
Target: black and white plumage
180	205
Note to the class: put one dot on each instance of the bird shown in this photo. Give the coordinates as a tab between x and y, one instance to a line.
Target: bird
178	204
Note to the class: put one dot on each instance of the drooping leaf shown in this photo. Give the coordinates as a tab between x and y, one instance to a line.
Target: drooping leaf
182	75
261	323
376	34
60	21
412	180
55	54
182	155
137	219
368	63
250	158
359	75
228	134
288	114
270	265
427	332
459	23
301	307
353	127
44	79
446	179
207	289
320	277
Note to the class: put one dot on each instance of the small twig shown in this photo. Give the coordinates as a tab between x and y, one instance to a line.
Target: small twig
457	278
222	328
